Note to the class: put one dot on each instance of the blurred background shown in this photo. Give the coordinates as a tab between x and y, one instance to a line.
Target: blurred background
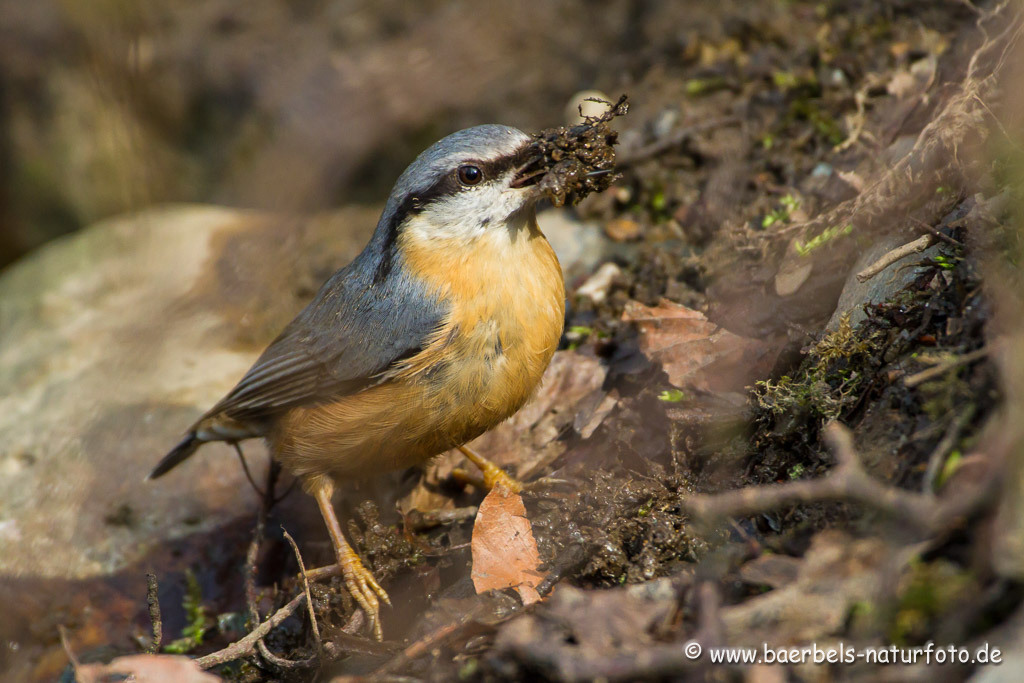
113	105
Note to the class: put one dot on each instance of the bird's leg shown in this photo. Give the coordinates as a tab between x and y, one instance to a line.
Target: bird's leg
358	579
493	475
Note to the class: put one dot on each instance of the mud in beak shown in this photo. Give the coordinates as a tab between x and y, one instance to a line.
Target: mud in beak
531	171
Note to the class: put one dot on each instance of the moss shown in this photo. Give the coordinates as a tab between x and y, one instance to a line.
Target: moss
198	620
829	380
929	591
821	239
788	204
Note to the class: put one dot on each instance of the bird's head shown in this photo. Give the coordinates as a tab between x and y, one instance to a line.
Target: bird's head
475	182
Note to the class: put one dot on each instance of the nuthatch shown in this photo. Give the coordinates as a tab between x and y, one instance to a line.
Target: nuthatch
438	331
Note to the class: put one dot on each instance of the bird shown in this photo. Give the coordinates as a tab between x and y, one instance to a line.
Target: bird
439	330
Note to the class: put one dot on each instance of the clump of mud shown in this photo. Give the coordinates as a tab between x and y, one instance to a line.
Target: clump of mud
578	160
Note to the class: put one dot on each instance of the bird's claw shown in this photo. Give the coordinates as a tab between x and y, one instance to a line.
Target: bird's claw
364	590
494	477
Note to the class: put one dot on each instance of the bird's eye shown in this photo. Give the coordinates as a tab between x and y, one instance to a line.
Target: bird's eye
470	175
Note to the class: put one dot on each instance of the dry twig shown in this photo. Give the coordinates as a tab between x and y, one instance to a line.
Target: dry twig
848	481
938	457
153	603
305	588
424	644
943	368
247	645
891	257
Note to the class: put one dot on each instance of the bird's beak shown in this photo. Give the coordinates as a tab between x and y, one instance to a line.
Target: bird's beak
531	170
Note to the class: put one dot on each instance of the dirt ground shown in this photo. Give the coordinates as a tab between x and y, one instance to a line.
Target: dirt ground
767	423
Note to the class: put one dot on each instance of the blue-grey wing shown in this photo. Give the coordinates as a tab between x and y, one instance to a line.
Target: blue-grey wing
355	328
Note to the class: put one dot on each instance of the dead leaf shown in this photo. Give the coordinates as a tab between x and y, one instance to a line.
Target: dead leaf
504	550
836	572
695	352
146	669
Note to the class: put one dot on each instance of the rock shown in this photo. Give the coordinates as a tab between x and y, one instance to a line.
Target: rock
580	245
114	340
597	286
882	286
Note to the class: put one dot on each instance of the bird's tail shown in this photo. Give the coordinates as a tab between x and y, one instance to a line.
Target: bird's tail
177	455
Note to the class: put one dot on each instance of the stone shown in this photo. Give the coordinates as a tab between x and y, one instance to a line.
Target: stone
114	340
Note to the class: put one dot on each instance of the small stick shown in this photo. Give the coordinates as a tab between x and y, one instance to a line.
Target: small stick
66	644
419	521
305	587
942	368
247	645
153	603
938	456
918	245
327	572
422	645
281	662
938	233
847	481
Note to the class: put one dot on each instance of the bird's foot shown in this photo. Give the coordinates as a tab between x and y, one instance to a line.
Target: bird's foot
494	476
364	588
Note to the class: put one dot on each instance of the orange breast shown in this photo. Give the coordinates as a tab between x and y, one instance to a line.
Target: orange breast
507	309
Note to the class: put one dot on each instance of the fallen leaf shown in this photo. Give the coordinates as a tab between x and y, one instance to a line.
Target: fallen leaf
694	352
504	550
600	622
146	669
836	572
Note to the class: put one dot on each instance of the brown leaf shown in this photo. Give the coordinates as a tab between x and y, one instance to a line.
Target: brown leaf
694	351
504	550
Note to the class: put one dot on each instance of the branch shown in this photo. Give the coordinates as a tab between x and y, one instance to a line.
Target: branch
891	257
153	603
942	368
305	586
247	645
848	482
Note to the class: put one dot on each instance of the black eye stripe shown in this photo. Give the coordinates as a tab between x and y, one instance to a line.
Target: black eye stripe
448	184
445	186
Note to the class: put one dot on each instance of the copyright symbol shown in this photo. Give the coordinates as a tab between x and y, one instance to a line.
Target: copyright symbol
692	649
